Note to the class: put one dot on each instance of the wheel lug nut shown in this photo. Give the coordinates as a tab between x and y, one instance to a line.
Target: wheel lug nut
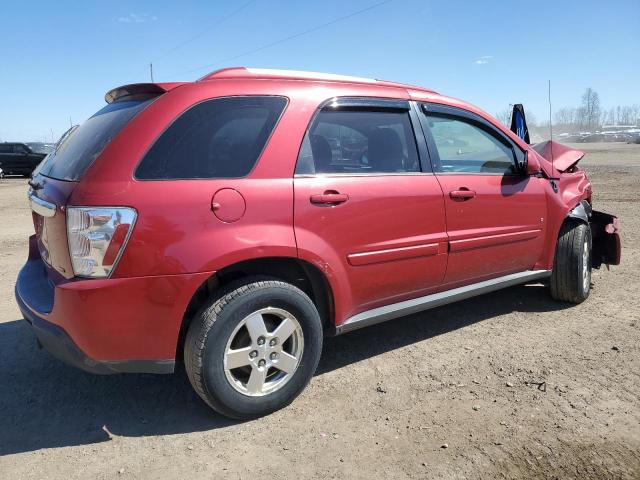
253	354
262	363
273	342
273	356
260	340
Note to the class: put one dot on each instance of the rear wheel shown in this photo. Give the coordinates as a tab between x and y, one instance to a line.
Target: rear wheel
571	276
254	348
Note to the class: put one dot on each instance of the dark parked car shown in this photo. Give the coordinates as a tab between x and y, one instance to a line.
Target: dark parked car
18	159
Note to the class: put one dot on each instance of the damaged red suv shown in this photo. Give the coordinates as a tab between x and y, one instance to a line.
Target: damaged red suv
236	220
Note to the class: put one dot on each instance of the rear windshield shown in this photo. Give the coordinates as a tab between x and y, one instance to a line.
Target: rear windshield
84	144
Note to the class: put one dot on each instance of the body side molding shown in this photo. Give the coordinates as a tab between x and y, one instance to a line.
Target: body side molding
400	309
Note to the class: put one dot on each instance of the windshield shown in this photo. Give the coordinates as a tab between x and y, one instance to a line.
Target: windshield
82	145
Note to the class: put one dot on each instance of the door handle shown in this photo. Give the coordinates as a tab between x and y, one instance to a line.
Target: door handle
330	197
462	194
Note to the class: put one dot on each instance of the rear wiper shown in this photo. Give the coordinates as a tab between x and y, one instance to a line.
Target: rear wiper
35	185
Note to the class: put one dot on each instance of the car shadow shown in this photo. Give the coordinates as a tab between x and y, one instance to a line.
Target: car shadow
369	342
46	404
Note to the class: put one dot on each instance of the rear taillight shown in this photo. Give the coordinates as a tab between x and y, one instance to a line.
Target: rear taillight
41	236
97	237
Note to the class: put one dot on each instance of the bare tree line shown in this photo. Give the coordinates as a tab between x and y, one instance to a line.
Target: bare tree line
590	115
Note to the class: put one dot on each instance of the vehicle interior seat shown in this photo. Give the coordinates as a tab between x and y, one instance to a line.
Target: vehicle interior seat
385	151
322	155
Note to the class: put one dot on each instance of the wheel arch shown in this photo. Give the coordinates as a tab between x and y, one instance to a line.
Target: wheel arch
304	275
581	212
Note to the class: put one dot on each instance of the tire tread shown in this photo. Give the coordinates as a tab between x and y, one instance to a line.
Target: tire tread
565	283
204	320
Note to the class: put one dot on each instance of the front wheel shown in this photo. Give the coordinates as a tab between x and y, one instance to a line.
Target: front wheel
571	275
254	348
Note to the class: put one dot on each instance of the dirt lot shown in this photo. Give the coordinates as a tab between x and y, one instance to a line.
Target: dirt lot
509	385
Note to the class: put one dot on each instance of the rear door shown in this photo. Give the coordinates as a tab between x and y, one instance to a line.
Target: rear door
367	207
495	214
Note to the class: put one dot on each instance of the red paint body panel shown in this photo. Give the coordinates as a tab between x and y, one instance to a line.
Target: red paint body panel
392	238
383	214
123	319
498	231
145	328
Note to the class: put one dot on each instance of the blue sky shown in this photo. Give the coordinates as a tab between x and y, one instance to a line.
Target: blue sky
59	58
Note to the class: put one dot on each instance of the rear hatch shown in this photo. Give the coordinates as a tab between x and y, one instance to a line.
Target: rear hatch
58	174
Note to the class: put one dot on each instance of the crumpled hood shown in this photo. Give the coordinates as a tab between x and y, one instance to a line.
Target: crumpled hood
564	158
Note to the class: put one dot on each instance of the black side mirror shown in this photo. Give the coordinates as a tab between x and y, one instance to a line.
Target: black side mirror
523	164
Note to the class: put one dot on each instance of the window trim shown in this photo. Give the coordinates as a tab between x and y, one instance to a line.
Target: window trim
460	114
371	104
365	103
170	124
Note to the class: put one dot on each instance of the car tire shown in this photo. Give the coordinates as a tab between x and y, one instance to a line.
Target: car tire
253	348
571	275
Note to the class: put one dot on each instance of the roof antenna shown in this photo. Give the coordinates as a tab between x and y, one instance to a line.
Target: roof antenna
151	71
550	125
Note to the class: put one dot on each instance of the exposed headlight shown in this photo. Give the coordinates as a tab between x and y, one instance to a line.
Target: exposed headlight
97	237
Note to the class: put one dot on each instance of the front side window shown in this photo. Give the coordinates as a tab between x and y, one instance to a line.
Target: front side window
464	147
359	142
219	138
19	149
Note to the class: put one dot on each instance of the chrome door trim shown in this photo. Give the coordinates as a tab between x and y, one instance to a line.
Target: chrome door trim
400	309
41	207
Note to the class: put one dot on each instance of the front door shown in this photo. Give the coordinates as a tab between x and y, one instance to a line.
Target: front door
366	212
495	214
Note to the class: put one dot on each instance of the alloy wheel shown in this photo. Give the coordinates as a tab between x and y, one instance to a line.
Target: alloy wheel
263	352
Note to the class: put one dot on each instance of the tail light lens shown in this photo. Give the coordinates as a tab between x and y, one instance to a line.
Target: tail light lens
97	237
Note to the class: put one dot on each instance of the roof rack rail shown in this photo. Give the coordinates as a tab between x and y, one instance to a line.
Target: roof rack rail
267	73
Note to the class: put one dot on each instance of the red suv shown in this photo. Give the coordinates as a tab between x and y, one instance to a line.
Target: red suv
235	220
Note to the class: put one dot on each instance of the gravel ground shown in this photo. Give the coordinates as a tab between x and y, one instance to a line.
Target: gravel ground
509	385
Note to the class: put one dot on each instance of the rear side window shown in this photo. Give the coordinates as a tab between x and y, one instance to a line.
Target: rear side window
219	138
360	142
82	145
6	148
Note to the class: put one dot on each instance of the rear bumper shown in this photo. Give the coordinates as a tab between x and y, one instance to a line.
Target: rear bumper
107	325
56	341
